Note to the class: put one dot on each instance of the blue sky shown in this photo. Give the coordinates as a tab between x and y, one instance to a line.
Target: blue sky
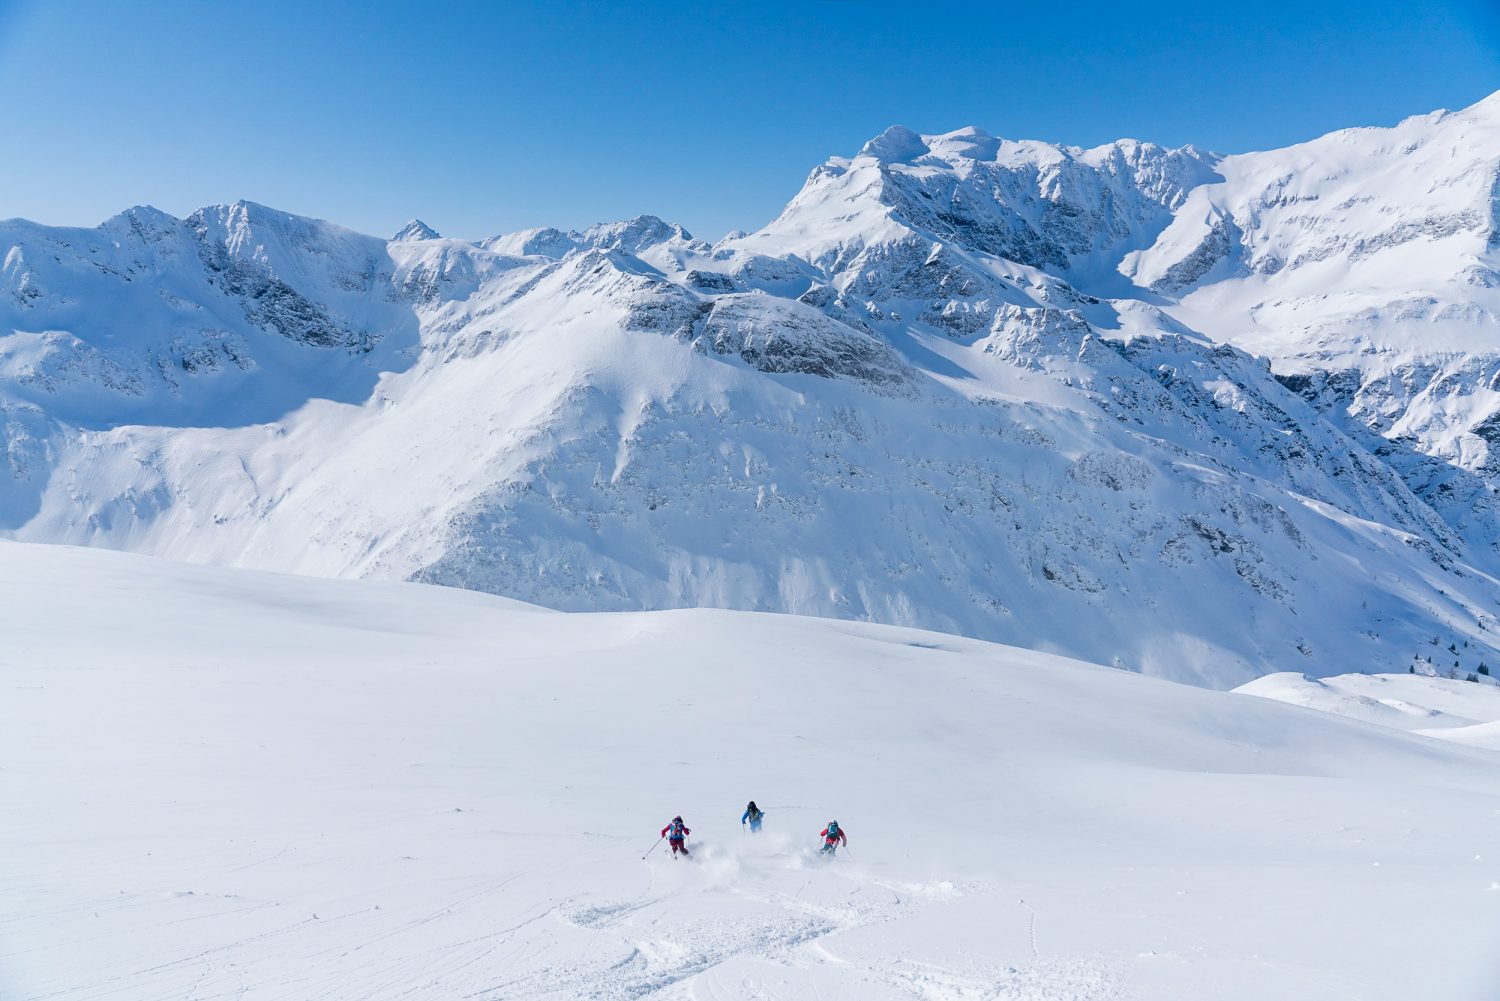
482	118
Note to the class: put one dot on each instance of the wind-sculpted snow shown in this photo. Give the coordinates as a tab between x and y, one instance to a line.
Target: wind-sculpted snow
1144	406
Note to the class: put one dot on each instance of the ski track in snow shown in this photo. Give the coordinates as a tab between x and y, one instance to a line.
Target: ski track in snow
803	933
1031	927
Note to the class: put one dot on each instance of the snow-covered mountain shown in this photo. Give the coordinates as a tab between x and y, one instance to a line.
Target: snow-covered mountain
1205	417
237	784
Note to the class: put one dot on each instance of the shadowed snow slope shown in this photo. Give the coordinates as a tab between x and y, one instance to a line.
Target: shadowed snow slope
241	784
989	387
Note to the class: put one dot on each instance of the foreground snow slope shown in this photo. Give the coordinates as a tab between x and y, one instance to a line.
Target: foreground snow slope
233	784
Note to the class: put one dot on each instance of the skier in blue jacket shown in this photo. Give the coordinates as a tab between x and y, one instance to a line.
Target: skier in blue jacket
753	815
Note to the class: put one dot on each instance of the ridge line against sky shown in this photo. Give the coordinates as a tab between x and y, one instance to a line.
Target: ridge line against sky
481	119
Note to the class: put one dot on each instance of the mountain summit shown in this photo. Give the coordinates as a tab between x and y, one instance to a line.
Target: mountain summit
416	229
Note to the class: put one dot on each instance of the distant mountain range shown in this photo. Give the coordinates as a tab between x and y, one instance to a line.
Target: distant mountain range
1207	417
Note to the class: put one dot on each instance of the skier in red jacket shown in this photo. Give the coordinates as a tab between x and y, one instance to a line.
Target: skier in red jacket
832	837
676	834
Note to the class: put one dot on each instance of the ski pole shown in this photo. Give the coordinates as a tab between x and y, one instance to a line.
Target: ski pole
653	847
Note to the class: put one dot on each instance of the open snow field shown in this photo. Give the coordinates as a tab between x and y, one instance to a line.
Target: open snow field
228	784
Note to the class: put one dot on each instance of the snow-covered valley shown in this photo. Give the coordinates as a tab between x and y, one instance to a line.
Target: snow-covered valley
987	387
230	784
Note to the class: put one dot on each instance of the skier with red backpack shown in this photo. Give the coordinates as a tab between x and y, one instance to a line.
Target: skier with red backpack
832	837
676	834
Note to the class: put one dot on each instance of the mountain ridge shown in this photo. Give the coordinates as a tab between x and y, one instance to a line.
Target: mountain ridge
932	392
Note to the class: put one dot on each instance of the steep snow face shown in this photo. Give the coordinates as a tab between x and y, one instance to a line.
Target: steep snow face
368	790
1399	210
1364	265
926	394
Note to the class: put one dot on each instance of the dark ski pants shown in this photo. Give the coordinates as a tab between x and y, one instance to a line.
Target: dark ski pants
677	845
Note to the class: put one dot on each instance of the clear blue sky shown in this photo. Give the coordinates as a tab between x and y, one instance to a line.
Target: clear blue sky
481	118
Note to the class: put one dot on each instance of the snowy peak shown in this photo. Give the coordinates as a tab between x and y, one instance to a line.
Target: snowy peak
897	144
969	143
250	230
307	255
1033	203
226	316
634	235
143	220
416	229
1410	205
541	242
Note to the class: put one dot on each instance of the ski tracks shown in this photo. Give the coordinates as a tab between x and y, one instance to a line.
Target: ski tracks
1030	927
1075	979
777	927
